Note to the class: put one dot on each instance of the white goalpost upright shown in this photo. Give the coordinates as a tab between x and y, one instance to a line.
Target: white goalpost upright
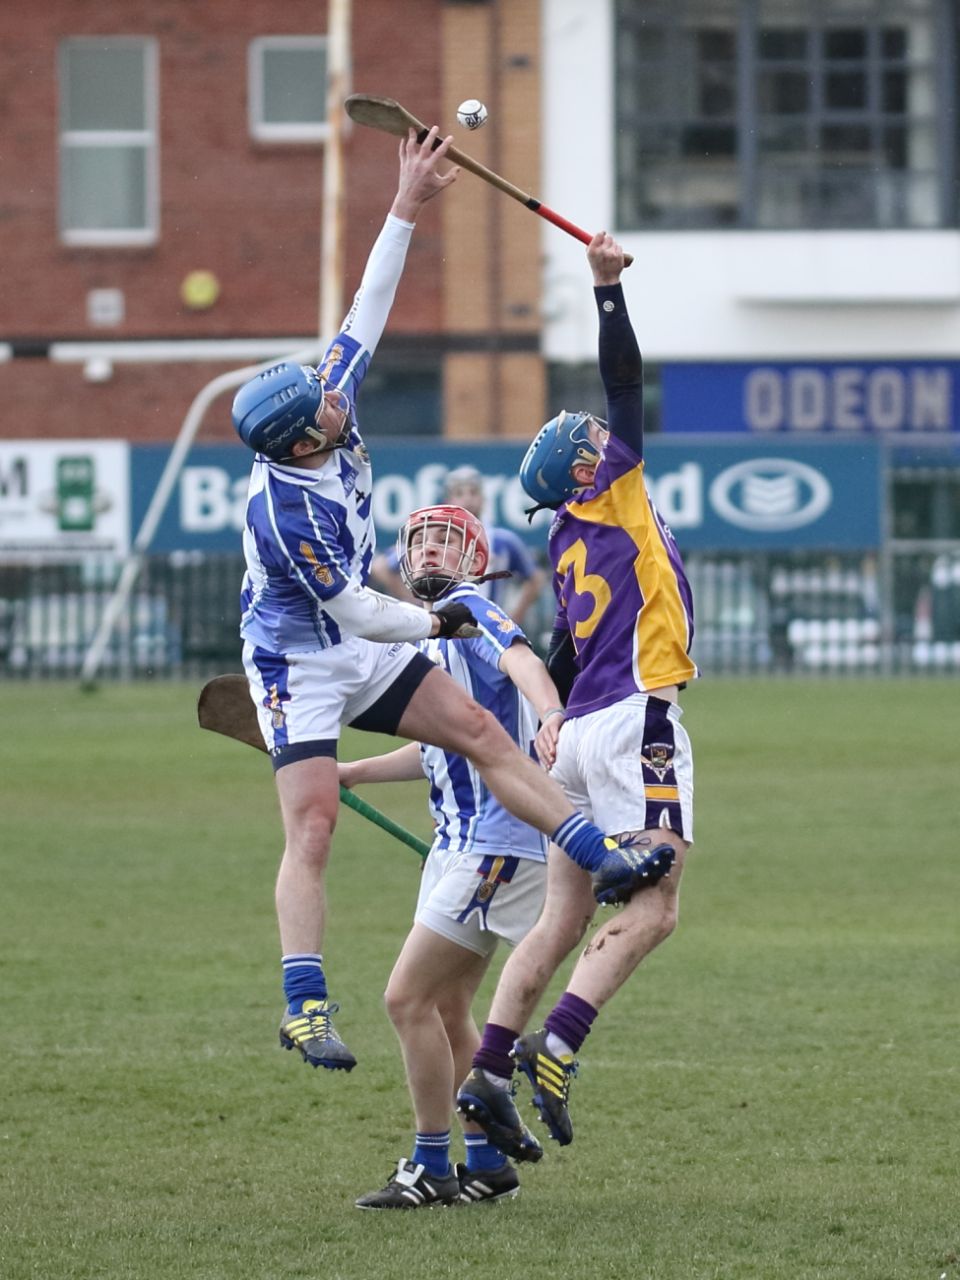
330	313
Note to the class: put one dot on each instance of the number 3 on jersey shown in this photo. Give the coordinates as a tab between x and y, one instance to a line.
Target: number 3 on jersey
585	584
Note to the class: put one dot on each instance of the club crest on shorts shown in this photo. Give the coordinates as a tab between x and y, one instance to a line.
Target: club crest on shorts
659	758
275	707
494	870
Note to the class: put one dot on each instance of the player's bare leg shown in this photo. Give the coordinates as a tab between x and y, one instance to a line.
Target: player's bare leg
309	793
547	1057
607	961
567	911
431	987
309	797
431	973
638	927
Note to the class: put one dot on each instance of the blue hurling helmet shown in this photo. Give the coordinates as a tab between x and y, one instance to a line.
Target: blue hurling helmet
280	406
546	471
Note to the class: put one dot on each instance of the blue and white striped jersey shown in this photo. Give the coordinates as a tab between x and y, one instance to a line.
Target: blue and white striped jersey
309	532
467	816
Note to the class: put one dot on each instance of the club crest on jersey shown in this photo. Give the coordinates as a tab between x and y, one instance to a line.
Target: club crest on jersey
501	621
659	759
319	571
275	707
334	356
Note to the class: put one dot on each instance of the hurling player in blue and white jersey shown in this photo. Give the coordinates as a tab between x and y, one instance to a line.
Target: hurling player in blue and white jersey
620	655
485	876
518	582
322	649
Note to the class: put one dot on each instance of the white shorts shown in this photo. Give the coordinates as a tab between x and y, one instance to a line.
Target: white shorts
304	698
475	899
629	767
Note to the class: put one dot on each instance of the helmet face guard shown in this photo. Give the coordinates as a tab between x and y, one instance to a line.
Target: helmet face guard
563	443
440	547
288	403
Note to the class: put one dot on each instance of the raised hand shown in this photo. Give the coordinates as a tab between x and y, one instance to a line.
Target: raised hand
606	258
420	175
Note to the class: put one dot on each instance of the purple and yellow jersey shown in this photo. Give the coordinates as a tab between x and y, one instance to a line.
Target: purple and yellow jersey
621	587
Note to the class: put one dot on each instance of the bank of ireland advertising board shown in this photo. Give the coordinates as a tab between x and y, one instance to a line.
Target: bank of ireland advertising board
733	494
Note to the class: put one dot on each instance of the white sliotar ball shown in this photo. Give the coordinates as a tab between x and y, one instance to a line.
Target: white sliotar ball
472	114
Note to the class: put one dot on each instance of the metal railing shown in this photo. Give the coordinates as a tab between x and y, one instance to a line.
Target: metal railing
776	613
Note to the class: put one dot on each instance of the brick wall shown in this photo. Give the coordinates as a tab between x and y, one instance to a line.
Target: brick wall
248	211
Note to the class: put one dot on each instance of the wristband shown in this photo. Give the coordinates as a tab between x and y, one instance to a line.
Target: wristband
554	711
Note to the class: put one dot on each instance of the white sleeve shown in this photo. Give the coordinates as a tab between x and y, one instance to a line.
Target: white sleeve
372	616
367	316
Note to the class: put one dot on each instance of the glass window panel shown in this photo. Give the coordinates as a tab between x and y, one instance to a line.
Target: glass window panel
845	90
783	93
649	43
841	129
894	92
845	42
716	45
893	42
709	140
649	93
718	89
848	199
846	139
104	188
784	200
104	86
649	144
294	85
785	137
895	146
921	193
782	43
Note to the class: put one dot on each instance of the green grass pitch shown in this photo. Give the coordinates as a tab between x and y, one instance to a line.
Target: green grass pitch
774	1093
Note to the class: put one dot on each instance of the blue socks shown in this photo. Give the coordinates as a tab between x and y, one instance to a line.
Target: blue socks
433	1152
581	841
303	979
482	1154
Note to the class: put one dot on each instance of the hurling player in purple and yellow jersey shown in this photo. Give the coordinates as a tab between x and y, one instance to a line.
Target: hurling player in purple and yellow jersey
620	654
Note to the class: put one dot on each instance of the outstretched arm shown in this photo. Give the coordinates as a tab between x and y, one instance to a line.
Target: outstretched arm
532	678
402	765
420	180
621	367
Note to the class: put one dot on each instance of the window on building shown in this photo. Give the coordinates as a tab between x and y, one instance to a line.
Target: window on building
288	88
785	114
108	140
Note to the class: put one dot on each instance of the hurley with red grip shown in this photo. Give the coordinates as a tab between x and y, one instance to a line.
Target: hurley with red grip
388	116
